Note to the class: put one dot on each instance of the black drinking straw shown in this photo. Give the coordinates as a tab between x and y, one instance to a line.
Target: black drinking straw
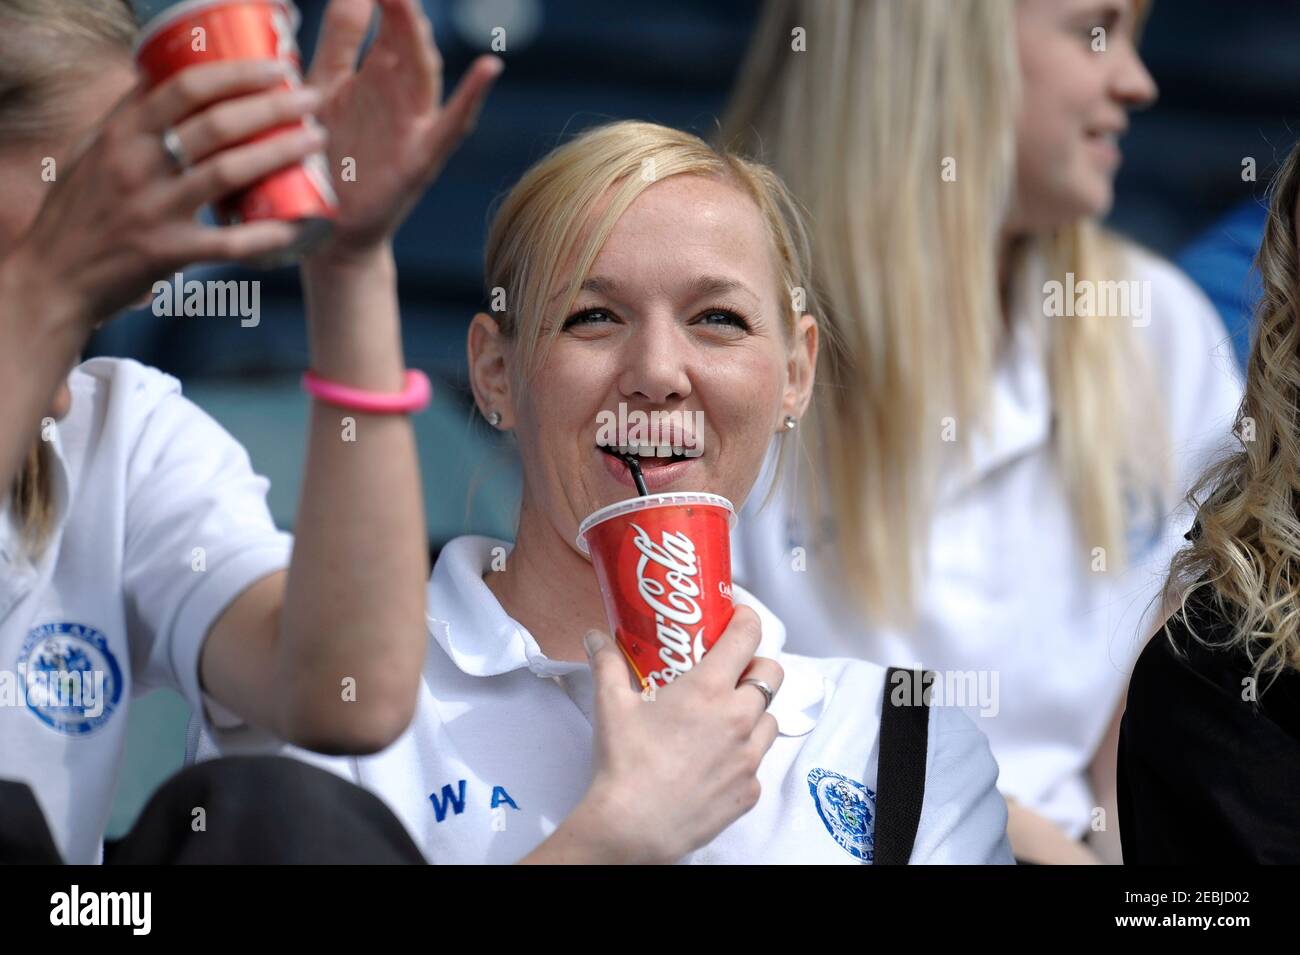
634	466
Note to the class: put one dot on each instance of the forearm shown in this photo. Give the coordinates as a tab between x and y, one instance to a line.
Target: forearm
354	601
1103	774
1105	842
1036	839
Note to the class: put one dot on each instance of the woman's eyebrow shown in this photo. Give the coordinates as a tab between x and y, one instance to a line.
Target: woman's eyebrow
698	287
1100	8
716	285
595	283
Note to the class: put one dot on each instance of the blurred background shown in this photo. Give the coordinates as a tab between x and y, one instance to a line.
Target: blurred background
1195	169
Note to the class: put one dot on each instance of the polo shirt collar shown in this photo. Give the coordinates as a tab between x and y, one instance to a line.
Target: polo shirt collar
482	640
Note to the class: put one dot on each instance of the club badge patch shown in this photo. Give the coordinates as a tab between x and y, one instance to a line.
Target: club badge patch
71	679
847	809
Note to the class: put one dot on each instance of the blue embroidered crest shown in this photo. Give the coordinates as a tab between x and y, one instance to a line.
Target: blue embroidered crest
848	810
71	679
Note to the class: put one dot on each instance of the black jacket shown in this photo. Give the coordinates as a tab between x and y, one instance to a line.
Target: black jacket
1204	775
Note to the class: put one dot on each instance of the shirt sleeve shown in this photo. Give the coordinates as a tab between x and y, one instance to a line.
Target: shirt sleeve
198	534
963	816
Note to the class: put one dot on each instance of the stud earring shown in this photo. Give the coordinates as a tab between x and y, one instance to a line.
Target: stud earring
494	418
790	422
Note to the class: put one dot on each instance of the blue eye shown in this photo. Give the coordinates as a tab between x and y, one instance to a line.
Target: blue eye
590	316
723	316
713	317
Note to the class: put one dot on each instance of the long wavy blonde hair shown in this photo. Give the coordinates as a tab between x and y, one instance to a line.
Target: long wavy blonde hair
1246	546
860	125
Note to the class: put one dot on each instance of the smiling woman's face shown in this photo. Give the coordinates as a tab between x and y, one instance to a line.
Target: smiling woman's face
1081	76
679	313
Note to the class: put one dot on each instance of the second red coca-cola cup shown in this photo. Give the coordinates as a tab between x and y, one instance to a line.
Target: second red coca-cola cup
663	562
209	31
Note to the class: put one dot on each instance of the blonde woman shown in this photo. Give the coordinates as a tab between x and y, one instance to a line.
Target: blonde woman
1018	400
1209	765
664	293
136	549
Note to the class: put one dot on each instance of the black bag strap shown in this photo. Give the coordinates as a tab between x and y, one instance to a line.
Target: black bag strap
900	774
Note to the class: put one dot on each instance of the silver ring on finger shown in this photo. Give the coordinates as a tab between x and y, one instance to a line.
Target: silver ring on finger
762	687
175	149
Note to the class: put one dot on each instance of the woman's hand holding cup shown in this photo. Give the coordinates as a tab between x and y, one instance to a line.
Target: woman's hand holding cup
122	213
673	769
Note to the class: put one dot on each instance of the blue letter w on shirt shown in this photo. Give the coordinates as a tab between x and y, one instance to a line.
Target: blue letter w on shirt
457	801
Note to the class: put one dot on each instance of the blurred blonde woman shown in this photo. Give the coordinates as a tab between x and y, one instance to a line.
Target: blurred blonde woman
1017	400
1210	743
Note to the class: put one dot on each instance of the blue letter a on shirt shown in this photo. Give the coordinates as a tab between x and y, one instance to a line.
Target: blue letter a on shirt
457	801
499	796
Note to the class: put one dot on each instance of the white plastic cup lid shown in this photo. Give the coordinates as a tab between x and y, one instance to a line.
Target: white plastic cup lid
667	499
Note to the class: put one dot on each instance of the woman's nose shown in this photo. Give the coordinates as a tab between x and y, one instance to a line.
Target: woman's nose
1132	83
655	364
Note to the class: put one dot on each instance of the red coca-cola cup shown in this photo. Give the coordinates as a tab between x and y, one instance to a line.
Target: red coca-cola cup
664	566
208	31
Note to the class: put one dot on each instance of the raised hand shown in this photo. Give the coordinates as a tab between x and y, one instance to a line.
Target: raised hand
122	215
390	131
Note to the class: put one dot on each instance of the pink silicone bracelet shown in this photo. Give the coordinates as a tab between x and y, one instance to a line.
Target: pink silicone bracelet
414	395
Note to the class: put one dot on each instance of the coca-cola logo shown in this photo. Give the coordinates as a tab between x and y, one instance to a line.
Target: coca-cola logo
666	580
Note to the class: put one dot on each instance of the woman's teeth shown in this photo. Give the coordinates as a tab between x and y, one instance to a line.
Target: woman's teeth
646	450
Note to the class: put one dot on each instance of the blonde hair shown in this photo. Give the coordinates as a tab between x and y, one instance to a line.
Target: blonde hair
555	220
1246	545
44	48
861	124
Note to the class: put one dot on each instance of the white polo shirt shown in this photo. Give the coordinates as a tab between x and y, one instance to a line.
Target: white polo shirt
159	523
499	750
1009	593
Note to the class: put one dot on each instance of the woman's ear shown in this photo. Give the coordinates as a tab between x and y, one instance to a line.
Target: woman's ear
489	371
801	368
